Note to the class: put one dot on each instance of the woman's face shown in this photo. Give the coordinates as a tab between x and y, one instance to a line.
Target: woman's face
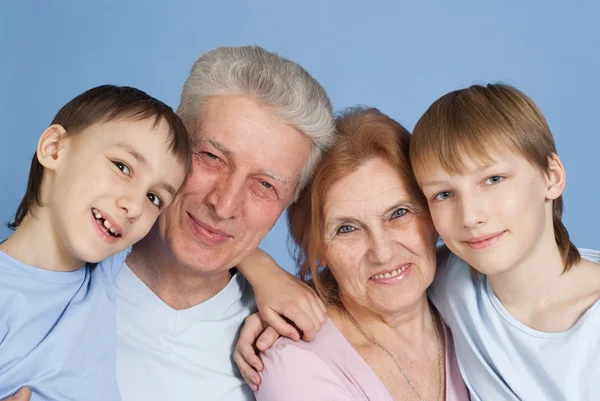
378	242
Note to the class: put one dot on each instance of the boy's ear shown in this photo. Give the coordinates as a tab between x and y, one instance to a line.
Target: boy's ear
50	146
556	177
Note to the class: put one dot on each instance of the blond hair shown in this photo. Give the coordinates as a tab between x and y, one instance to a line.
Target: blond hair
474	121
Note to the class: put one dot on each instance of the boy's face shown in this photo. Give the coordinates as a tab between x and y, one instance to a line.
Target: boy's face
109	185
494	216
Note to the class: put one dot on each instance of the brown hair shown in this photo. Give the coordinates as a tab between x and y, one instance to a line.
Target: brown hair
103	104
473	121
362	134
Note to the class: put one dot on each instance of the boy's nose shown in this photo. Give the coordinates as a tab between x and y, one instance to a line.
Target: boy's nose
473	212
131	206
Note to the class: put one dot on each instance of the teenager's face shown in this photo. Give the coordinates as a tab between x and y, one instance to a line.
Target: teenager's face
109	184
493	216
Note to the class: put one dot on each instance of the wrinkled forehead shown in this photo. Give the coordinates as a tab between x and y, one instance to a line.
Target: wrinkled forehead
252	137
373	188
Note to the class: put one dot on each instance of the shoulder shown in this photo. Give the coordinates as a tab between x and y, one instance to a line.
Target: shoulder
452	273
590	254
300	370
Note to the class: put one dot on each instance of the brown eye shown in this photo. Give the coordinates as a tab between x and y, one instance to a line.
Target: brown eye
123	167
156	201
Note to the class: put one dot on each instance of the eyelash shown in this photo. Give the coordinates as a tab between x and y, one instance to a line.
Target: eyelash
450	194
122	166
404	212
160	201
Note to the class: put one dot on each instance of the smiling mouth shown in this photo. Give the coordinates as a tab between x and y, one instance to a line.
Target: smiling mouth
105	224
391	274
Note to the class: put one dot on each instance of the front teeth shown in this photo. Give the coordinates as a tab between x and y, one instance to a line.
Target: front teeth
105	223
392	274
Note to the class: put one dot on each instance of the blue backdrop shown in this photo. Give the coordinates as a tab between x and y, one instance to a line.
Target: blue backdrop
398	56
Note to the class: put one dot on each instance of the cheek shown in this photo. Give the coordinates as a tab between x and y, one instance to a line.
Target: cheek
260	215
344	259
442	219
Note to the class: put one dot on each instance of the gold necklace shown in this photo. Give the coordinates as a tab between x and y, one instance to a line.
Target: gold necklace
387	351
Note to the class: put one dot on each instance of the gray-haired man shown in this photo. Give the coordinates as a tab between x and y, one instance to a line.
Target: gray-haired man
260	124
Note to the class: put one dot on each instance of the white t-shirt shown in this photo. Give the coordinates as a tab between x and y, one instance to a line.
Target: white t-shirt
186	355
502	359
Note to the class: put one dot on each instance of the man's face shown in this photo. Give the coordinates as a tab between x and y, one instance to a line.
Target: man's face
246	166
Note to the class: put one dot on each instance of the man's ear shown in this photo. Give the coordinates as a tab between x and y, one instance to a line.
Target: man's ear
556	177
51	145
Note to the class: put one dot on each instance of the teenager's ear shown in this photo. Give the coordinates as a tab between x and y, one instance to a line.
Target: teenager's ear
50	146
556	177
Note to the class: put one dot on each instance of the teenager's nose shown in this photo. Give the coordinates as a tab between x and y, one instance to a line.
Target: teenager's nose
473	211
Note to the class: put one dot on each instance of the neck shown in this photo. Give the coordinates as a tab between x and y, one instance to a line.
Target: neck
35	243
176	284
412	325
534	282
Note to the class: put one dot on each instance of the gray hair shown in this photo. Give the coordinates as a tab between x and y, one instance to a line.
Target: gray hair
279	83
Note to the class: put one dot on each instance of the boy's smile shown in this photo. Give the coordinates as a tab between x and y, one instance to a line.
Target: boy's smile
109	185
110	231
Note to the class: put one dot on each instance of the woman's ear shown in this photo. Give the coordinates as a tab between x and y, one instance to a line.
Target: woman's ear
556	177
51	145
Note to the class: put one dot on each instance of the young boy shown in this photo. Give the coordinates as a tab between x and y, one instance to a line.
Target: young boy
110	162
526	322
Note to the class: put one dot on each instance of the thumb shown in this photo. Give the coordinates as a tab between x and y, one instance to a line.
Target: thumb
24	394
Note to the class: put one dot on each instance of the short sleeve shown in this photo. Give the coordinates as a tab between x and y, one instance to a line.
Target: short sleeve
295	374
111	266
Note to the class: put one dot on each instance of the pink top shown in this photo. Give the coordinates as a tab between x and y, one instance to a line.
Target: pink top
329	368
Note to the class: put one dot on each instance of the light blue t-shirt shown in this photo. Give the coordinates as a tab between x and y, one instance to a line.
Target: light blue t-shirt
57	331
500	358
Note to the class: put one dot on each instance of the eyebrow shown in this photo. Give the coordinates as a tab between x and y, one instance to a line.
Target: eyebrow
136	155
433	183
140	158
219	146
402	203
277	177
229	154
169	188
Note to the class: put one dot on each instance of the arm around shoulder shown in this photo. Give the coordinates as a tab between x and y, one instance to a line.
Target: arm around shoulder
292	373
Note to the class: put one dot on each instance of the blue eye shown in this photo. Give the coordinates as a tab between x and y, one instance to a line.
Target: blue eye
266	184
345	229
156	201
494	180
442	196
399	213
123	167
211	155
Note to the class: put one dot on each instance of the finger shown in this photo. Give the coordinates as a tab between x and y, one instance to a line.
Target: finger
304	319
250	376
248	352
267	339
321	314
280	325
24	394
322	305
252	328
